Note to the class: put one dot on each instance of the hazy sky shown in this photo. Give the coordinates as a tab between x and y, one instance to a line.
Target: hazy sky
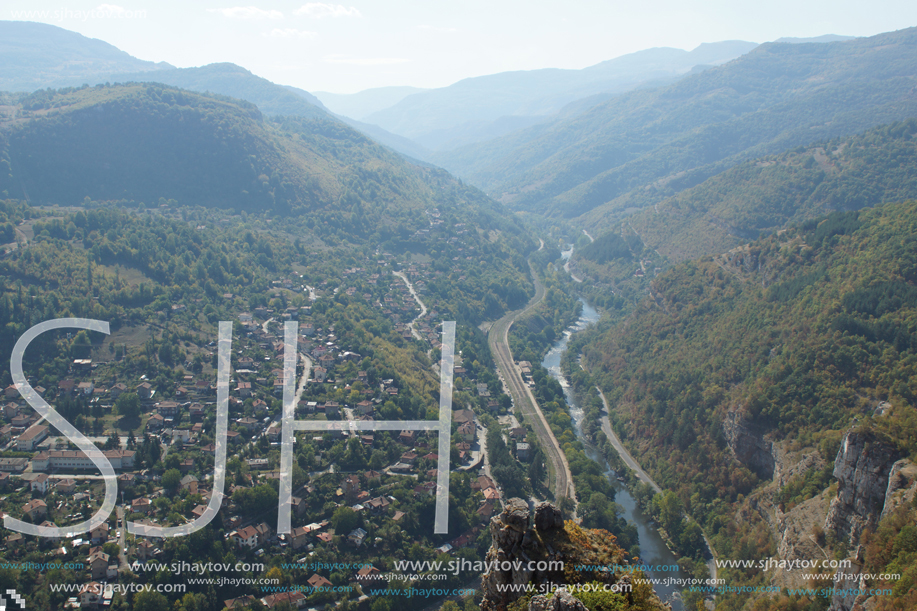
358	44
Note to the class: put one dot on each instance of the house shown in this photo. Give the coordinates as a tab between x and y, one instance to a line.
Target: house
378	504
33	436
10	410
155	422
142	505
251	536
319	374
467	431
65	387
98	565
294	599
247	537
243	602
351	484
486	510
146	550
91	594
36	509
99	534
66	486
244	389
369	576
406	437
259	463
299	537
117	390
13	465
356	536
425	489
365	408
482	483
197	412
189	483
462	416
249	424
274	431
144	390
76	460
41	483
169	409
523	451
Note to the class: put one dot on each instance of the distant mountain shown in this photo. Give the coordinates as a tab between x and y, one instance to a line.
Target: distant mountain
236	82
38	55
654	143
42	56
825	38
438	117
146	141
363	103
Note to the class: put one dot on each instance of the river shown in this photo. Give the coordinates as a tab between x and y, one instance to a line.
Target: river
653	550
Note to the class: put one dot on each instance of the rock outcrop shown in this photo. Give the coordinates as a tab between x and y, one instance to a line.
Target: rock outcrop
561	601
861	468
548	553
748	445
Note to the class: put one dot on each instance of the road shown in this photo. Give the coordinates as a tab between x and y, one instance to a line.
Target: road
621	450
423	308
122	544
641	474
523	397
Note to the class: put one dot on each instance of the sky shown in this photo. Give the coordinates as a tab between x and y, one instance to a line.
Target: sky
361	44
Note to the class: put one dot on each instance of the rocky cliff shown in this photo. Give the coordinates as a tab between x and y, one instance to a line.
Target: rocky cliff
548	553
861	468
748	445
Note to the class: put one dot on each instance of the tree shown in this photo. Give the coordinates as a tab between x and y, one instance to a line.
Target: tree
128	405
148	600
171	480
344	520
113	442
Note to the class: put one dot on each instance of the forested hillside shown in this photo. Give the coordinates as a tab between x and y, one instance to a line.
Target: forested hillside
799	332
766	194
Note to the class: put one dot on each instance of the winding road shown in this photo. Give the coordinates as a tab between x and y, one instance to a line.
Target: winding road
643	475
523	397
423	308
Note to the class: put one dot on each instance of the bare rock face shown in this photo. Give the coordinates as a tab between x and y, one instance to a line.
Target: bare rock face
548	517
862	470
518	551
748	445
505	556
900	490
561	601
